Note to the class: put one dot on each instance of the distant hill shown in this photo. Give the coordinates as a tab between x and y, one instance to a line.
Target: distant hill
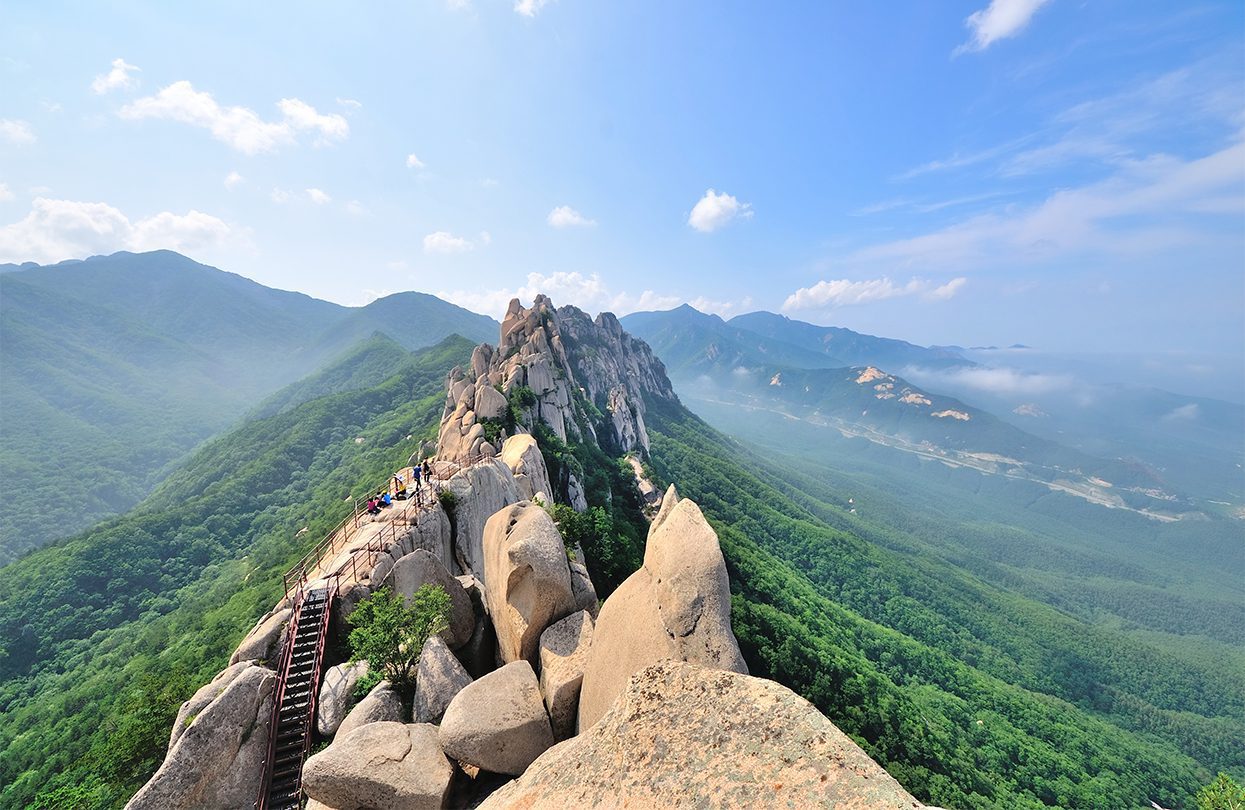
847	348
114	367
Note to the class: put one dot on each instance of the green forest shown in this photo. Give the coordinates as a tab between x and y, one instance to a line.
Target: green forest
975	686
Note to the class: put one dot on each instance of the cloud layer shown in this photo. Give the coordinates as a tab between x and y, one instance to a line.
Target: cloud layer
844	292
118	78
238	127
55	230
999	20
566	217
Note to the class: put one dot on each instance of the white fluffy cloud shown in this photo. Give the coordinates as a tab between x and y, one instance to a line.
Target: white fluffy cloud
233	180
529	8
318	197
1002	380
238	127
413	162
446	242
117	78
999	20
566	217
844	292
55	230
587	292
715	210
15	131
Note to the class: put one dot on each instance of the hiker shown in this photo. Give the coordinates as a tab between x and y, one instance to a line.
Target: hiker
416	475
427	470
385	500
372	507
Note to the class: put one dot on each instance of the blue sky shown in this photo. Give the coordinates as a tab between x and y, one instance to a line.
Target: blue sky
1064	174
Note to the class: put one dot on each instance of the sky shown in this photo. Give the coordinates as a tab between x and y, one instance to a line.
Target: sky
1067	174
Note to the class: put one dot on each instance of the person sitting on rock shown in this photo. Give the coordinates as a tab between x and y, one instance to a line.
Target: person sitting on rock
385	500
373	508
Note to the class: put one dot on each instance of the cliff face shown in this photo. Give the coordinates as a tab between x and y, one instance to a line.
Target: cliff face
583	380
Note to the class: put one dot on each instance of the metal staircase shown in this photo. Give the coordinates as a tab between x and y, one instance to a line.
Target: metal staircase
294	709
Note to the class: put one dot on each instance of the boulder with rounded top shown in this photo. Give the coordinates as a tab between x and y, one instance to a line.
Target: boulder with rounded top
479	491
563	650
422	567
381	704
386	764
529	576
523	457
498	723
337	695
677	606
439	677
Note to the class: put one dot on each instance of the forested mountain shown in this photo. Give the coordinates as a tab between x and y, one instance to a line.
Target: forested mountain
986	666
114	367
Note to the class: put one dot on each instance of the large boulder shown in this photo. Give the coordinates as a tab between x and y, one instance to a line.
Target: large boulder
583	589
204	697
421	567
337	695
479	491
498	723
381	705
523	457
683	735
439	677
216	763
678	605
430	530
265	640
389	765
528	579
563	650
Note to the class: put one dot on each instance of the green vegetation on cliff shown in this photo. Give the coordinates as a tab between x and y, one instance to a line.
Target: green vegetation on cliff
107	632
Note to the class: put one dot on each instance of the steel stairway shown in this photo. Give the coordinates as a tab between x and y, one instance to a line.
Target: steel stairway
294	709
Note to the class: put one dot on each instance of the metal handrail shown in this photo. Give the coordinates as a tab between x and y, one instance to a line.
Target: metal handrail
278	696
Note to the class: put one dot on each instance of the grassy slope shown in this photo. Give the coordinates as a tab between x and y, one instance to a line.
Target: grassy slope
907	652
97	627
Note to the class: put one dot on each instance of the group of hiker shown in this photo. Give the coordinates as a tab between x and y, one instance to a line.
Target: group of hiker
402	489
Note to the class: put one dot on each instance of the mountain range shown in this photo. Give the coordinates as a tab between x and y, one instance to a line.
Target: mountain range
116	366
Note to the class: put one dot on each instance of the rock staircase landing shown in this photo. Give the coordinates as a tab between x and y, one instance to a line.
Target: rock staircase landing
296	700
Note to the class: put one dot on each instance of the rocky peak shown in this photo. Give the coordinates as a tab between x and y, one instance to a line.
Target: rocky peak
585	380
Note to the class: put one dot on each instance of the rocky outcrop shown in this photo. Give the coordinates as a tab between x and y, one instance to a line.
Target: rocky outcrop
389	765
337	695
265	640
678	606
585	593
498	723
217	760
478	491
381	705
528	582
682	735
563	651
525	460
479	654
420	568
439	677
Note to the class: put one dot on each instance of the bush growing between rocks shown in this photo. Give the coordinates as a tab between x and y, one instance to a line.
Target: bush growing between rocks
389	633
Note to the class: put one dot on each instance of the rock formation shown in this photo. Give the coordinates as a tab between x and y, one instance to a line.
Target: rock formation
530	578
498	723
678	605
266	639
216	762
389	765
336	695
478	492
523	457
381	705
682	735
438	679
563	651
421	568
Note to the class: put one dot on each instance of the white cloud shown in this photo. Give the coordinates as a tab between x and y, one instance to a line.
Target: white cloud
566	217
446	242
715	210
1003	380
999	20
238	127
844	292
587	292
318	197
15	131
55	230
233	180
724	309
413	162
529	8
5	194
1184	413
1141	209
117	78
